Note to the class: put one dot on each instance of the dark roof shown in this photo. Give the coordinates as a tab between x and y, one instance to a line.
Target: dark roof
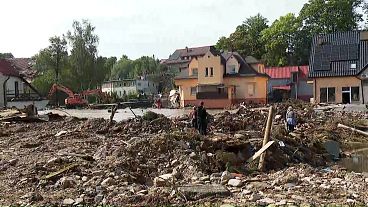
336	54
180	54
251	60
6	68
25	67
245	69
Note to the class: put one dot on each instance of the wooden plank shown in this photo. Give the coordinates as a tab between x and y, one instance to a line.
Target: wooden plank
259	152
51	175
353	129
266	137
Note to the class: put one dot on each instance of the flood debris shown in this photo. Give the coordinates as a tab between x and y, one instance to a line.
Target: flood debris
154	160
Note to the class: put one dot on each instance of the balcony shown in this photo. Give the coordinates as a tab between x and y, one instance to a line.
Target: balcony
211	95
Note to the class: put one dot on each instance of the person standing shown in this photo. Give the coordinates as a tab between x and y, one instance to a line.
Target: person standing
202	119
290	119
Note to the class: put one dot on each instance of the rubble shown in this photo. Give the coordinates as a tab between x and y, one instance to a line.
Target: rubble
161	161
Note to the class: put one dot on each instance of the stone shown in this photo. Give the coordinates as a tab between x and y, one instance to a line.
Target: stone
350	200
324	186
239	136
266	201
78	201
255	197
53	162
246	192
281	203
84	178
65	182
204	178
13	162
226	176
201	191
227	205
142	192
163	180
68	201
235	183
297	197
278	117
107	182
192	155
174	162
99	198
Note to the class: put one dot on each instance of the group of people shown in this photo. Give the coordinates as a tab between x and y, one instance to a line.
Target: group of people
199	119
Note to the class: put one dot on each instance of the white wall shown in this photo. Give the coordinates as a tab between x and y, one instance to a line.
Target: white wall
10	86
232	62
148	87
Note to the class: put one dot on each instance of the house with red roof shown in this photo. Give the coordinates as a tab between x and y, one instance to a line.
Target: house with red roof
290	82
15	90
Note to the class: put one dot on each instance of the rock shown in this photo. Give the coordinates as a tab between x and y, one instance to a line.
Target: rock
192	155
107	182
84	178
53	161
13	162
281	203
255	197
266	201
60	133
65	182
163	180
142	192
99	198
201	191
78	201
278	117
226	176
227	205
246	192
204	178
235	183
68	201
297	197
239	136
101	153
174	162
324	186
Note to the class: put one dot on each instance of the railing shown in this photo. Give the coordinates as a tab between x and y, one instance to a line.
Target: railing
211	95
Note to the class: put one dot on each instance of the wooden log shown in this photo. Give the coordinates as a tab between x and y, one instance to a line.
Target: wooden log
266	138
353	129
260	152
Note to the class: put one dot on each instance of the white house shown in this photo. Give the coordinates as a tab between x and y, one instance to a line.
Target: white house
129	86
15	90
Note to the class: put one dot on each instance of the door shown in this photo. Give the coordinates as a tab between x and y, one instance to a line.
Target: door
346	97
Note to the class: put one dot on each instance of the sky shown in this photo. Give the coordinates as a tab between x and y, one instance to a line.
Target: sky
131	27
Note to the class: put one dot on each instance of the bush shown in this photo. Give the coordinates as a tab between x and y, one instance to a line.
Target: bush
150	116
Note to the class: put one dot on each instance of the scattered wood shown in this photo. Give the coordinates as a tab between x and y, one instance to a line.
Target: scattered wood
261	151
266	138
51	175
353	129
114	108
133	112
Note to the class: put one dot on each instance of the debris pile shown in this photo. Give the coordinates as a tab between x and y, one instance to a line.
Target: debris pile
156	160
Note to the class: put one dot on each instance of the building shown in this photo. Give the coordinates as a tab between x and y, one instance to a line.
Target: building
129	86
338	67
15	90
289	82
25	67
220	80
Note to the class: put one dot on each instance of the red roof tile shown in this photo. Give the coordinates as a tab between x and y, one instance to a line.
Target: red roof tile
6	68
25	67
285	72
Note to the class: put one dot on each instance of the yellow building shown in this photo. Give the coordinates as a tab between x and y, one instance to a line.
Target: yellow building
221	80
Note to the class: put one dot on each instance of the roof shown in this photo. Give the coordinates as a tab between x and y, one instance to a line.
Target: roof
245	68
338	54
251	60
6	68
180	55
285	72
25	67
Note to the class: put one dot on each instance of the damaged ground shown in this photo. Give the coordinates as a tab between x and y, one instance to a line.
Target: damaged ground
159	161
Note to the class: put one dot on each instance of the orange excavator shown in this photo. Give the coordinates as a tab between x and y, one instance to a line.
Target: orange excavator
104	97
73	100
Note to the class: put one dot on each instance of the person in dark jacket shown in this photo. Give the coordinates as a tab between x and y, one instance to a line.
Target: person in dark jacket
202	119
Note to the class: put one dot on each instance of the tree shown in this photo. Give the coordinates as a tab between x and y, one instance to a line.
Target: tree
328	16
280	40
6	55
122	69
83	58
246	39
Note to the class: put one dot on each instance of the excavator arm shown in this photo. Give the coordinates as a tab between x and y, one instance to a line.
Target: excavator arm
62	88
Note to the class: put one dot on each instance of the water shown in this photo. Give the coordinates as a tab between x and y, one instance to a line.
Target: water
122	114
357	162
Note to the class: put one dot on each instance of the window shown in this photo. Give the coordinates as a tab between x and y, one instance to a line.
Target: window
327	95
355	94
195	71
206	72
251	89
124	84
16	88
193	90
353	66
211	71
232	69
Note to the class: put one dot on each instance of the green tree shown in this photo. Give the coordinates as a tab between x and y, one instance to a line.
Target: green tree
327	16
83	58
280	40
122	69
6	55
246	39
